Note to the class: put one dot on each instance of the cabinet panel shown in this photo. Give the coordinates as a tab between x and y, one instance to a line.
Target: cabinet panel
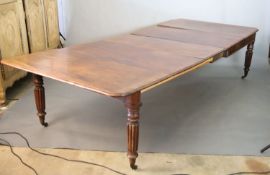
13	39
36	25
52	23
41	33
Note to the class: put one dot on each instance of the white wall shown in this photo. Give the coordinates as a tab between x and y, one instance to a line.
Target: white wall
267	21
93	20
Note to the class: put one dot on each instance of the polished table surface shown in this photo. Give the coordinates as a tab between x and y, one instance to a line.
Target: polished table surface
125	66
131	63
118	66
209	27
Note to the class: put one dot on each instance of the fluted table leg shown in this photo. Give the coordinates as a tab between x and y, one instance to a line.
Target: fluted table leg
40	98
133	103
248	59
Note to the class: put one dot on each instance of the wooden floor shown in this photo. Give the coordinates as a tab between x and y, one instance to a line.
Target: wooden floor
149	164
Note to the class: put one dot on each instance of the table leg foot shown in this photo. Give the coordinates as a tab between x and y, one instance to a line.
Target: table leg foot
133	104
40	99
132	164
248	59
45	124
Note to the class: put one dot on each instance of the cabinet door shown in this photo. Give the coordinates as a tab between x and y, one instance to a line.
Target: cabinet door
13	38
42	24
52	23
36	25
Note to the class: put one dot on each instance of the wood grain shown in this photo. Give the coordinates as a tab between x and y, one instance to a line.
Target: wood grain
52	24
40	99
107	67
133	104
41	33
174	47
36	25
247	34
220	40
13	41
210	27
125	66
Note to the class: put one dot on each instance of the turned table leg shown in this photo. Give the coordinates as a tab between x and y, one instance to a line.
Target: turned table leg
248	59
40	98
133	103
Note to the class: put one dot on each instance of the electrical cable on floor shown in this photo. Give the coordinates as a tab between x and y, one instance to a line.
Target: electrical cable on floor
16	155
12	99
51	155
6	143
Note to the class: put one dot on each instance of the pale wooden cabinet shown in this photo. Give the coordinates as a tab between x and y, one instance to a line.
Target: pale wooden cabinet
25	26
52	24
13	41
42	24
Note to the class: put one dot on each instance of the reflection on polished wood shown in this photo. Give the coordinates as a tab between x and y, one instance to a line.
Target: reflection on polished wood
112	67
210	27
126	66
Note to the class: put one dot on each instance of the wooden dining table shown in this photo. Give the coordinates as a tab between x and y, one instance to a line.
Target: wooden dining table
126	66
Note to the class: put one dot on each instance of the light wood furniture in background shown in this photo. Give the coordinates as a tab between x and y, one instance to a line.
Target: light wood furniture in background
13	41
25	26
126	66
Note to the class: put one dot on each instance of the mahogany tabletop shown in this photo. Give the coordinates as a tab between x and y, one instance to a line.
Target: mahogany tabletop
210	27
126	64
198	32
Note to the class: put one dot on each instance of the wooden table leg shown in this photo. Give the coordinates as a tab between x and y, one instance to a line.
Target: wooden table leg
248	59
133	103
40	98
